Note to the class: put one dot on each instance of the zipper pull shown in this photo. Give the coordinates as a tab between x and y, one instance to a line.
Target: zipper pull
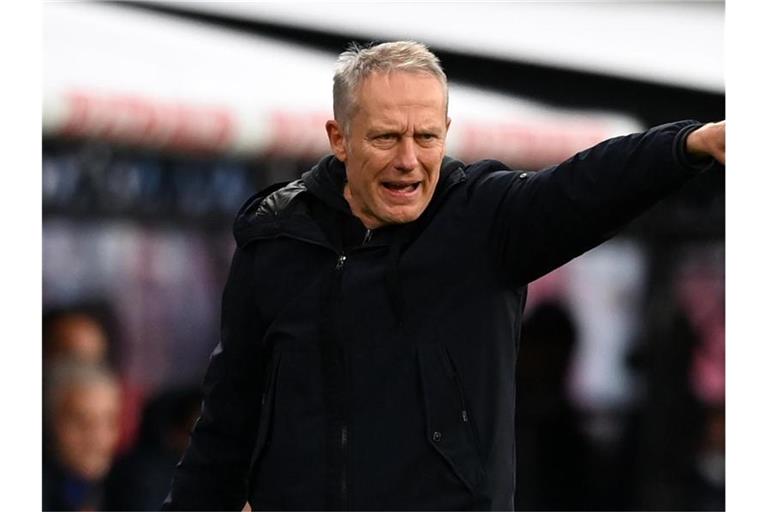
340	262
368	235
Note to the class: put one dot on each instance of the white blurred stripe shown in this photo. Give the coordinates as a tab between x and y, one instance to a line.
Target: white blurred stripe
144	79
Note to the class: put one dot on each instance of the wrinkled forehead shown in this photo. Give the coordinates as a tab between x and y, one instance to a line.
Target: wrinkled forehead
381	91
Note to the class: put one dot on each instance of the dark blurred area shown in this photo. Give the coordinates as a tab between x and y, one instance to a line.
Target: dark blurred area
666	451
552	447
140	479
621	383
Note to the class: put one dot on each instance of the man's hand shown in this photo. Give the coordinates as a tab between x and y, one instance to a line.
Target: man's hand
708	140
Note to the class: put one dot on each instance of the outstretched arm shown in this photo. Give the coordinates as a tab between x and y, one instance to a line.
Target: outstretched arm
546	218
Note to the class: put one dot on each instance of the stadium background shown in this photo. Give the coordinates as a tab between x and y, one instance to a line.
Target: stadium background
160	119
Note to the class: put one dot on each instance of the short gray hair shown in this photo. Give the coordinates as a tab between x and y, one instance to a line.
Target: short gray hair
357	63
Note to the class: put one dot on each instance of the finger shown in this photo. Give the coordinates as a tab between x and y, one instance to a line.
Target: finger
720	156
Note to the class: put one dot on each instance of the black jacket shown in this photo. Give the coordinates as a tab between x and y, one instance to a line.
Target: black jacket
376	370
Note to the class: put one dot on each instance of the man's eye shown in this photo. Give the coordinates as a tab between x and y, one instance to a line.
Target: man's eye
386	137
427	136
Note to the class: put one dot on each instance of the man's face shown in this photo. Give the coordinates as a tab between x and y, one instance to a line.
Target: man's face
86	428
393	147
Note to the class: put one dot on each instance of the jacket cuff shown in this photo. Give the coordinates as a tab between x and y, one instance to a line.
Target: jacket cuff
685	159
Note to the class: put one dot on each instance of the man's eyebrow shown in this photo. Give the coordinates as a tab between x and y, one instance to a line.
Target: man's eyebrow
382	129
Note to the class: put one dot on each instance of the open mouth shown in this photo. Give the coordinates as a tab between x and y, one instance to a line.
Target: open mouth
400	187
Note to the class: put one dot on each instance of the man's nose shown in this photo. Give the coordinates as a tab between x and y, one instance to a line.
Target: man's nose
406	160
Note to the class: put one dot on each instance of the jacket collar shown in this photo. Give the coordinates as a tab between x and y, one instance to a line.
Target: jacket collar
276	209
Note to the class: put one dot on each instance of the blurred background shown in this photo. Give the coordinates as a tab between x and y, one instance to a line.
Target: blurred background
160	119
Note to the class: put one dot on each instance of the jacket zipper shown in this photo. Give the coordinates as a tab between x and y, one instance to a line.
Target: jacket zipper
343	431
343	483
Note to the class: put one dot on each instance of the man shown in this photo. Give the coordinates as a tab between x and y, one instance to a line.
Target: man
81	412
370	322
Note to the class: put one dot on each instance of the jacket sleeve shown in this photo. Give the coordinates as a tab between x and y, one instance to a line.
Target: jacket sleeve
544	219
212	473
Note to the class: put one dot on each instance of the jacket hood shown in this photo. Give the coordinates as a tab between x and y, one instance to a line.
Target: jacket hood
326	180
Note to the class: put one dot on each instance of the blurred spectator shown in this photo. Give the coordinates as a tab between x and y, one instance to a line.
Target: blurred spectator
553	453
141	480
83	332
81	406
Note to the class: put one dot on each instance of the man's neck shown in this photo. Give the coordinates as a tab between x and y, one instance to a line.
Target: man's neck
368	221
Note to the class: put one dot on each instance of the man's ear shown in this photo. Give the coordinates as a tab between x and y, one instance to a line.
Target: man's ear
336	139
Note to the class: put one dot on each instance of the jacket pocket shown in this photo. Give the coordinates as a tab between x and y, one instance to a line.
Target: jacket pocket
447	417
267	412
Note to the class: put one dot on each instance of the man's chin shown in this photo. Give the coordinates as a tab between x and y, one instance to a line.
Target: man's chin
402	215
